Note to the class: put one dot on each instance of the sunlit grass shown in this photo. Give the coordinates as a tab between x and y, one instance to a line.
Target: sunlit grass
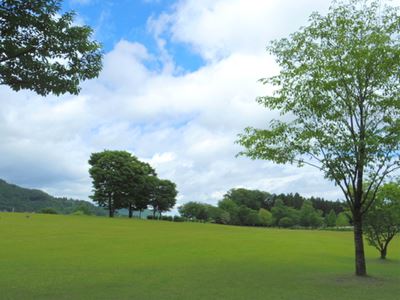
78	257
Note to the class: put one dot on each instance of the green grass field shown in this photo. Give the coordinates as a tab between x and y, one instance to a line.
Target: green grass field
78	257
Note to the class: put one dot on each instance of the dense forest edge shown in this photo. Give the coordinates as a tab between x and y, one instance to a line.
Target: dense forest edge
259	208
239	206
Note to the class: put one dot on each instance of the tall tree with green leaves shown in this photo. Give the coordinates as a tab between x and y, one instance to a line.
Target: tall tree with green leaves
253	199
382	221
163	196
42	50
194	211
138	186
338	88
330	219
111	173
309	216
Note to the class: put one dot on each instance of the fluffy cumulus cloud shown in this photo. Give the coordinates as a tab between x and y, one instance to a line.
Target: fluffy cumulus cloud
219	28
183	123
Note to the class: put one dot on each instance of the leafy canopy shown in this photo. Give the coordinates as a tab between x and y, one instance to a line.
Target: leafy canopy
338	90
382	221
163	194
44	51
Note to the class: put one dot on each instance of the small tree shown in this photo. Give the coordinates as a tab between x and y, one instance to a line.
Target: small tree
330	219
232	208
280	210
253	199
286	222
343	219
43	51
382	222
265	217
194	211
339	87
138	186
83	209
248	216
309	217
49	210
218	215
163	195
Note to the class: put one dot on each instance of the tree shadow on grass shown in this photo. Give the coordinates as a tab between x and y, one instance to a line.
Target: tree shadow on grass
387	261
351	279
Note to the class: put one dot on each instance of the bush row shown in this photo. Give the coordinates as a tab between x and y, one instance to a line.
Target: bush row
167	218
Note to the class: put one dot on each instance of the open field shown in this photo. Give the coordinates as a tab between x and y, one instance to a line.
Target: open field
78	257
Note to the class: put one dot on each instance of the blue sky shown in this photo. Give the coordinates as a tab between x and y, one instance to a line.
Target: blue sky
128	20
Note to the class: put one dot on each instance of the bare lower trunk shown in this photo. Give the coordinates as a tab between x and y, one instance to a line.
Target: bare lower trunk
130	211
383	253
361	269
110	207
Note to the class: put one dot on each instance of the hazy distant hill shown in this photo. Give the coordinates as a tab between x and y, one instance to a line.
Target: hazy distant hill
18	199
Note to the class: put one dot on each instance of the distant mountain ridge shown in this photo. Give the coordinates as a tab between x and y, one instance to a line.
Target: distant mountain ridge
19	199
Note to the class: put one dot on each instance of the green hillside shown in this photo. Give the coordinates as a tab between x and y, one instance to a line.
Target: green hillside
18	199
81	257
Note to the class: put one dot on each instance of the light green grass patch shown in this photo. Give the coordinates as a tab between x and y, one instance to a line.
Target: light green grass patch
80	257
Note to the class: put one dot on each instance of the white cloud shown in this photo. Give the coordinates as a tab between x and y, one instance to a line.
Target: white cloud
219	28
185	125
162	158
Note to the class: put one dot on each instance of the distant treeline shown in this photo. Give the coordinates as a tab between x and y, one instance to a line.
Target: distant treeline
18	199
259	208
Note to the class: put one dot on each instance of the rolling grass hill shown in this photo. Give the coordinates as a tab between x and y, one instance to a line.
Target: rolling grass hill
80	257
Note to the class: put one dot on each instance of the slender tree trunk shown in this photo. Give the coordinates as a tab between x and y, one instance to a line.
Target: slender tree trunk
384	249
154	213
361	268
140	213
383	253
110	208
130	211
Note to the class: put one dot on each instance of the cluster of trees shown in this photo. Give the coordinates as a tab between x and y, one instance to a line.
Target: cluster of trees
258	208
120	180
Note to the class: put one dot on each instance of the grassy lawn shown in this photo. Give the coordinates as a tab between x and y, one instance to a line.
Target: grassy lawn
78	257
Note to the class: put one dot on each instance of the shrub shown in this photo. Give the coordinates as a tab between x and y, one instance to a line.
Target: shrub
286	222
178	219
342	220
223	217
265	217
330	219
82	209
48	210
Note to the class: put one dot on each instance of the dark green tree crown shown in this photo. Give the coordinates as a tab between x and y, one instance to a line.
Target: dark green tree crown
43	51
